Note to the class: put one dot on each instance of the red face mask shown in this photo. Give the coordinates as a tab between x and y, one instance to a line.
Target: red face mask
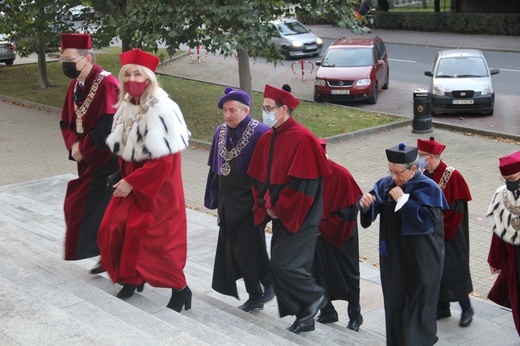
135	89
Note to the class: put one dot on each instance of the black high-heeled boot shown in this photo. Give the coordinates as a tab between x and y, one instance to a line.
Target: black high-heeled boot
128	290
179	299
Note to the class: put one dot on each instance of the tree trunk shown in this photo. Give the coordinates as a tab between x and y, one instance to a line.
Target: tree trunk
437	5
125	44
424	4
244	73
43	77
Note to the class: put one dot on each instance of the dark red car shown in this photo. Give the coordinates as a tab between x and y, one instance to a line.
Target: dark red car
352	69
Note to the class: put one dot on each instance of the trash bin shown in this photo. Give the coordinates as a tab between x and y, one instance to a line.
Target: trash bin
422	117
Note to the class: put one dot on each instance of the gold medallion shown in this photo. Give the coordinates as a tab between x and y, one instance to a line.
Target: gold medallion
79	126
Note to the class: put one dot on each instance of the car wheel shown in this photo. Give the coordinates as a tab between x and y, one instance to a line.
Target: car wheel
375	93
286	53
9	62
318	99
489	112
385	86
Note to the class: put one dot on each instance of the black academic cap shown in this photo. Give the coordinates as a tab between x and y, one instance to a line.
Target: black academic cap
401	154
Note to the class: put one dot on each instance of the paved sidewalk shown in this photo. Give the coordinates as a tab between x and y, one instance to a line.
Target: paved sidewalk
31	146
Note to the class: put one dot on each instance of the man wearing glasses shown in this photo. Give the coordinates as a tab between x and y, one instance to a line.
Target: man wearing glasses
86	121
287	169
411	246
241	247
456	278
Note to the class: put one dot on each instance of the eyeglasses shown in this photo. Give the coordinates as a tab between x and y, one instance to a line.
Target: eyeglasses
268	109
397	173
72	59
423	155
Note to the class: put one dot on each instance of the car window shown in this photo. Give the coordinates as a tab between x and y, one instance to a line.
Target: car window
291	28
348	57
463	67
379	50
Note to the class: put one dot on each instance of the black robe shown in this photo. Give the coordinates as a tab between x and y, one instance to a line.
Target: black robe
288	165
241	247
456	278
411	258
336	258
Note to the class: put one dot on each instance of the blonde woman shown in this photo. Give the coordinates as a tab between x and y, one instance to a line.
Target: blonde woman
143	233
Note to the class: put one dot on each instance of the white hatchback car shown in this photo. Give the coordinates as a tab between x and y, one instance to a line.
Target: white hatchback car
295	39
461	82
7	51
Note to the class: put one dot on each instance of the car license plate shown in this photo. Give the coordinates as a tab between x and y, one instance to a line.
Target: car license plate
3	50
311	47
462	102
340	92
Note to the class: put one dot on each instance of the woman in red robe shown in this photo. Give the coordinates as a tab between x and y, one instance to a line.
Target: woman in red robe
143	233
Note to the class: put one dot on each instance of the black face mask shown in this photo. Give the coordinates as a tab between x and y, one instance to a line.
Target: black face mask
513	185
69	69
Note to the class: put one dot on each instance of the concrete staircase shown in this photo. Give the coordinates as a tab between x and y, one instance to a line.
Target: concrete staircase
45	300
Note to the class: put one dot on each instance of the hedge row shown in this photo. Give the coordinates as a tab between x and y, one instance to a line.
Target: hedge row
507	24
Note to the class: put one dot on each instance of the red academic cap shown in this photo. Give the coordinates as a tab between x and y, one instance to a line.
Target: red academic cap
138	57
76	41
510	164
430	146
282	96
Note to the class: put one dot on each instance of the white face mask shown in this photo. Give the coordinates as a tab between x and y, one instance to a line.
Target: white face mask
269	118
422	162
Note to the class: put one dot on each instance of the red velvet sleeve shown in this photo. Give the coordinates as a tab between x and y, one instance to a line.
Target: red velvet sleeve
259	210
294	202
452	219
148	179
336	230
497	257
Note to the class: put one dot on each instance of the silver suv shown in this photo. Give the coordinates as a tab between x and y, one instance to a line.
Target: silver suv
461	82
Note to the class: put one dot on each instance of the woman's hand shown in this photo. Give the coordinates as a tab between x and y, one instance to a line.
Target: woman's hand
122	188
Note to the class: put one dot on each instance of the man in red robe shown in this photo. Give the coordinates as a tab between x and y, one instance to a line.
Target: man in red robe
336	259
86	121
504	252
287	166
456	278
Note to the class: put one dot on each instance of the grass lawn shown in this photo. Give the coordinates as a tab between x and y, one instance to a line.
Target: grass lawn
445	6
200	111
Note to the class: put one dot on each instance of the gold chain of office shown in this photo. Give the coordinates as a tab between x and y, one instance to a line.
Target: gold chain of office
82	110
515	211
229	155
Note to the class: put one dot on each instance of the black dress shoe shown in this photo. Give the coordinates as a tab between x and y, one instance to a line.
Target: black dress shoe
355	323
310	312
268	294
329	317
98	269
299	326
443	313
466	318
251	305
